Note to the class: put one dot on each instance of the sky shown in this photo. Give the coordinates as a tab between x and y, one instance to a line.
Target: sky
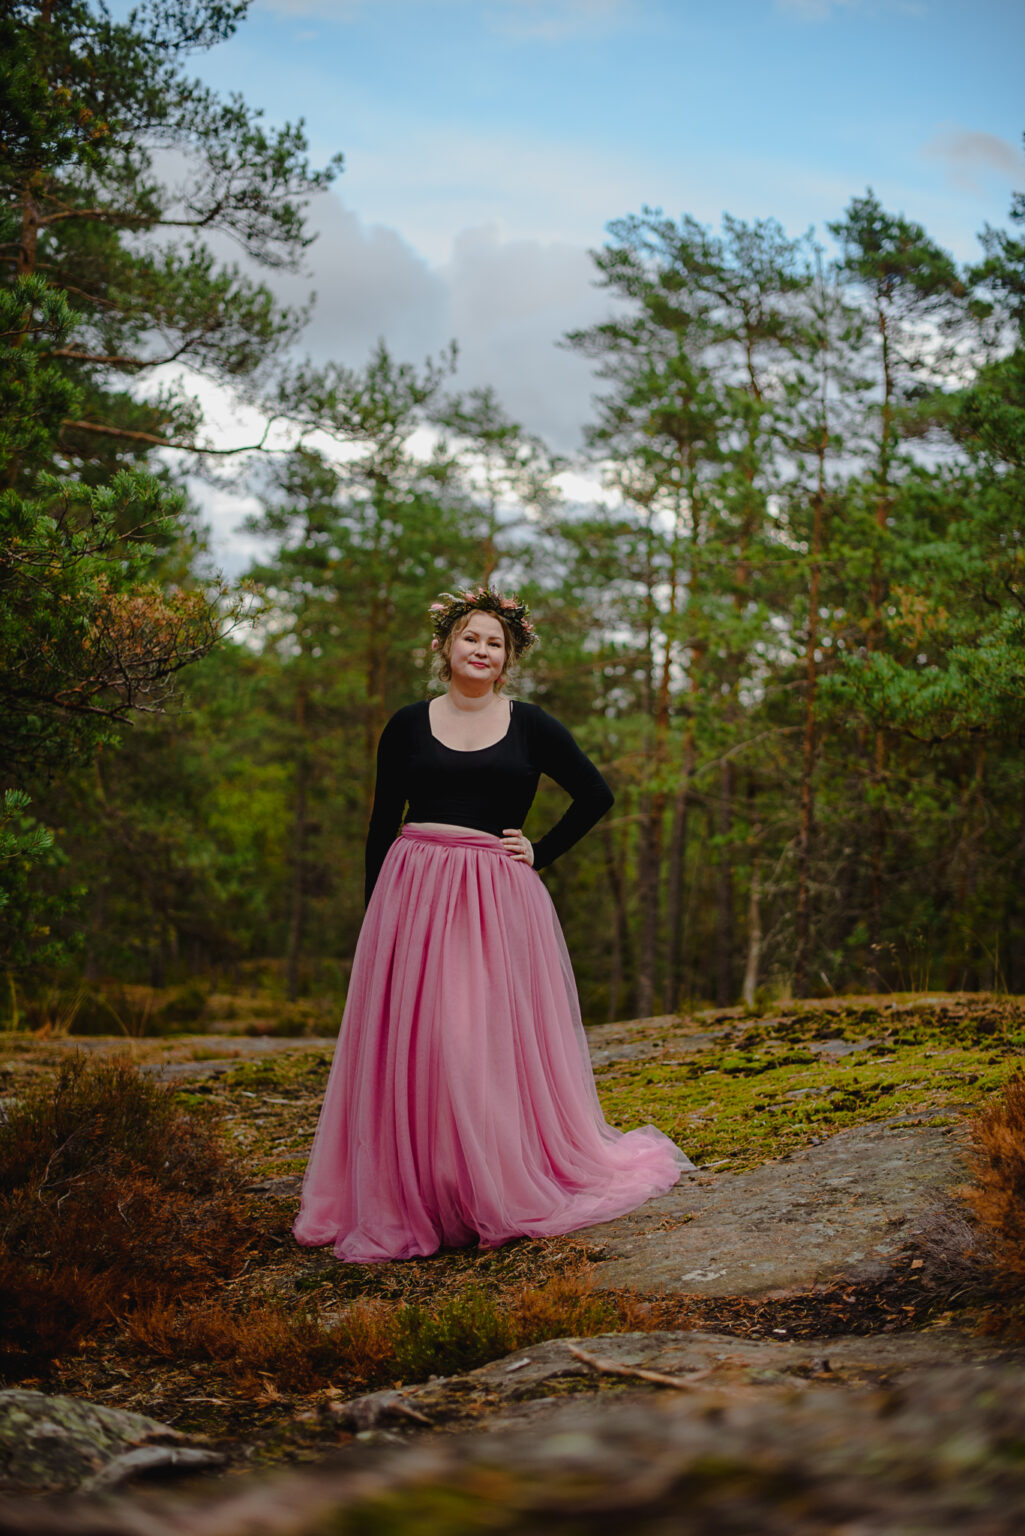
487	144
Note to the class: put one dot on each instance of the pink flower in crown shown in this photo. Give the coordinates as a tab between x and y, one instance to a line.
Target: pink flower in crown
437	608
469	596
434	644
508	602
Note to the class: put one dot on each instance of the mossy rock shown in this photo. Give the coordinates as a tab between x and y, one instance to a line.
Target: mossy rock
60	1444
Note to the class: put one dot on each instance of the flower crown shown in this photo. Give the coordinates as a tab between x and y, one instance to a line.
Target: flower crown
455	605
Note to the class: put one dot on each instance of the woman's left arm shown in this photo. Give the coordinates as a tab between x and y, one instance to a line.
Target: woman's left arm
558	755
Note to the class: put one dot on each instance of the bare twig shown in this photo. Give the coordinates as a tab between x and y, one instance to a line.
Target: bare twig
637	1372
163	442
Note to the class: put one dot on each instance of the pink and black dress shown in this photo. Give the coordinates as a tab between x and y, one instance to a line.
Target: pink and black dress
461	1103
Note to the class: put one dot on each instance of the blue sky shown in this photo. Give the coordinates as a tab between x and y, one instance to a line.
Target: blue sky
488	142
548	117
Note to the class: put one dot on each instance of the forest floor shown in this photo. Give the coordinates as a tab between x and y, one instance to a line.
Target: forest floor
828	1135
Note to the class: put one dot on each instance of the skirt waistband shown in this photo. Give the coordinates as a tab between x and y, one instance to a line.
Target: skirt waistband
458	837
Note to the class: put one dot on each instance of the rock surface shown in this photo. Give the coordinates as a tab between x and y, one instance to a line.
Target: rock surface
61	1443
840	1209
534	1382
938	1452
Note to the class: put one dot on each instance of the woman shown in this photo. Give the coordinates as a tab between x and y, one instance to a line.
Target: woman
461	1103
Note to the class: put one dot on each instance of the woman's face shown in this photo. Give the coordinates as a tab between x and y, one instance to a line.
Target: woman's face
478	651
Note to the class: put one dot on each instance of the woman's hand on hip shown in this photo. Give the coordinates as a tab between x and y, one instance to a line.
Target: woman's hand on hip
516	845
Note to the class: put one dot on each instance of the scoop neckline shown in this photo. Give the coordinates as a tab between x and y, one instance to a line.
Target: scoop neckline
468	751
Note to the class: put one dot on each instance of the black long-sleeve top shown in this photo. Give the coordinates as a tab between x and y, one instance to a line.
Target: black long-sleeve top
488	789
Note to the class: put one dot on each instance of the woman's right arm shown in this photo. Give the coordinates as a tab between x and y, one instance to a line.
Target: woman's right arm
391	791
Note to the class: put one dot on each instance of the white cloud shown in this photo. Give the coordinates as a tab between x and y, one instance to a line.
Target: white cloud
510	301
506	302
555	20
369	283
812	10
233	550
822	10
331	10
544	188
965	153
545	20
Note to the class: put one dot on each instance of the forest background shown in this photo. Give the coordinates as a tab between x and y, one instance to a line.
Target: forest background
790	632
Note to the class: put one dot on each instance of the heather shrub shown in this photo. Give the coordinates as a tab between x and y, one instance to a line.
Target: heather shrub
97	1117
112	1195
996	1195
462	1332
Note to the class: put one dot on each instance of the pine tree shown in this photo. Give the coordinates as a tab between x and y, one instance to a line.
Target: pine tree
106	277
909	289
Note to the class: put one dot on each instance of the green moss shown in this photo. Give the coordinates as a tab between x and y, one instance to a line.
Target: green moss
764	1088
281	1072
760	1094
486	1501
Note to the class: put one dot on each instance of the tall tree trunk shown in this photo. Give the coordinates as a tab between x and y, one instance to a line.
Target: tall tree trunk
620	930
297	905
1015	913
877	828
654	802
91	967
724	892
647	896
754	900
724	914
806	832
961	968
675	936
675	906
375	688
877	814
28	243
25	265
98	906
754	933
157	962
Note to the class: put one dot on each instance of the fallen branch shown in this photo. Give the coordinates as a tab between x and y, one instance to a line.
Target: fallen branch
637	1372
361	1413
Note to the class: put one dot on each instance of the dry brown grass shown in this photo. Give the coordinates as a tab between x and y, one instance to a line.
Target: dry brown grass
369	1343
969	1249
111	1197
299	1350
996	1195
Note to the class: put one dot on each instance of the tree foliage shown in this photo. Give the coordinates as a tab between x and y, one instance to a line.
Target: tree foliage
116	167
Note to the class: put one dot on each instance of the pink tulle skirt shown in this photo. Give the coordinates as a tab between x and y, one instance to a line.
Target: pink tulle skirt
461	1103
